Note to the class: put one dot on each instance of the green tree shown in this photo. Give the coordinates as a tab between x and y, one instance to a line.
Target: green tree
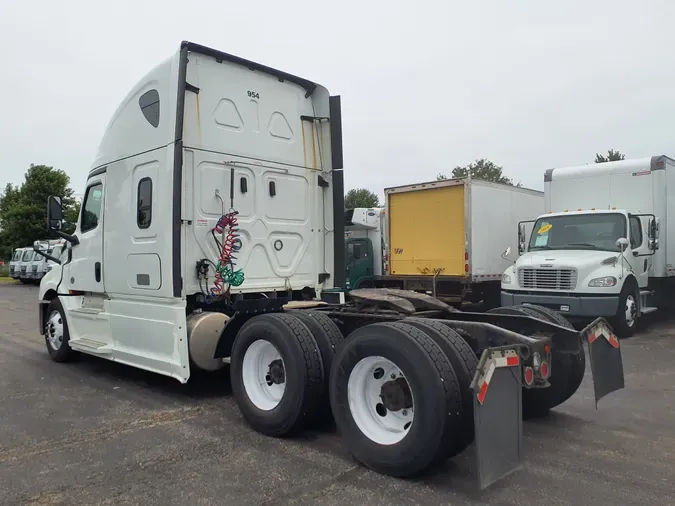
480	169
361	197
612	156
23	209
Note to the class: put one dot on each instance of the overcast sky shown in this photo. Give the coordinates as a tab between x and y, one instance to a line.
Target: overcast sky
425	85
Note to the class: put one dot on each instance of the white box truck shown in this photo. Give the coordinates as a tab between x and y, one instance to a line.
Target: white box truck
212	228
604	246
445	238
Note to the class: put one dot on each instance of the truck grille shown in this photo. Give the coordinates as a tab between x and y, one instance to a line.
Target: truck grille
547	279
23	270
34	268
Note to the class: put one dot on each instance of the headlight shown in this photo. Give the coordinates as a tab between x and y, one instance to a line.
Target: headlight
602	282
506	279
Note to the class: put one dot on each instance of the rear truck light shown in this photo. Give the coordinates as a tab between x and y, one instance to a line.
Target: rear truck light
466	267
528	376
543	370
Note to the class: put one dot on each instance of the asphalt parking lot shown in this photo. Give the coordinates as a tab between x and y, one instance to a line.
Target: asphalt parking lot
94	432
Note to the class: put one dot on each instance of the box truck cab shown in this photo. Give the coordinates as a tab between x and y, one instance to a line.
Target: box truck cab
26	265
42	264
14	263
365	246
603	249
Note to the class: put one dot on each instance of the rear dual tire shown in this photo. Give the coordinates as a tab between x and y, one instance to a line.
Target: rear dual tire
399	392
279	369
424	428
567	369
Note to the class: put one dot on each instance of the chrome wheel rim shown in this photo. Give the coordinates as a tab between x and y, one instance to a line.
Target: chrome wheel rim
54	330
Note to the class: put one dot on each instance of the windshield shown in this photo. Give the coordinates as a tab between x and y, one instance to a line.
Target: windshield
578	231
17	255
27	255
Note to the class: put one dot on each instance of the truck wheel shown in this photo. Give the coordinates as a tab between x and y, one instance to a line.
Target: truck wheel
464	362
57	334
625	321
276	374
328	337
395	398
567	370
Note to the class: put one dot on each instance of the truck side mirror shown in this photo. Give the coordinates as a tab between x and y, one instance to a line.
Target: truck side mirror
653	231
622	244
54	212
521	238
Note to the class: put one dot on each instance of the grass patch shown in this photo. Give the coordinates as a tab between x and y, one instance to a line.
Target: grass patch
7	279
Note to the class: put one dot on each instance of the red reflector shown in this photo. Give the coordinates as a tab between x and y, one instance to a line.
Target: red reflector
466	255
483	392
547	348
466	267
544	369
529	375
386	258
511	361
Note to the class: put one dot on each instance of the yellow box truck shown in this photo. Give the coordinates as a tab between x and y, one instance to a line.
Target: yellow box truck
446	238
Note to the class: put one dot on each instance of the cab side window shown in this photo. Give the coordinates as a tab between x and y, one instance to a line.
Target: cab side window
635	232
91	208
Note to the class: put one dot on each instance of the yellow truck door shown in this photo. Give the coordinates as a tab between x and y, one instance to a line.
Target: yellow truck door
426	230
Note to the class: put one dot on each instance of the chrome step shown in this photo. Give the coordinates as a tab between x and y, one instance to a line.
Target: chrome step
89	345
647	310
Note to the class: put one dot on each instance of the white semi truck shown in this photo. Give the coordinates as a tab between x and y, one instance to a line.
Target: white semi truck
604	246
212	229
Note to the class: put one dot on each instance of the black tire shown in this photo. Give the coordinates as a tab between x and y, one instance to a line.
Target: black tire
464	362
302	367
551	315
619	324
574	364
62	353
328	337
537	402
433	385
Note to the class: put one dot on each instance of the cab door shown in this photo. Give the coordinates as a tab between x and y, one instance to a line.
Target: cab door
359	262
85	271
641	257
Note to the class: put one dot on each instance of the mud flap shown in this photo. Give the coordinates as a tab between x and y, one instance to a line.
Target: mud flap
498	414
606	361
